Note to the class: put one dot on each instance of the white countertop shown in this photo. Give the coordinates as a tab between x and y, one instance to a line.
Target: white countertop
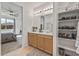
42	33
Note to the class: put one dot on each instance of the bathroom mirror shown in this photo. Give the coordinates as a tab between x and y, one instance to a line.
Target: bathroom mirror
11	27
47	23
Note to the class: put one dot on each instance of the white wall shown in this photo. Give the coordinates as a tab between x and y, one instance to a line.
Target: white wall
27	24
0	32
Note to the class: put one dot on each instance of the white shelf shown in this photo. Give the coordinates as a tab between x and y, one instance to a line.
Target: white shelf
69	11
67	30
68	44
71	48
69	20
67	39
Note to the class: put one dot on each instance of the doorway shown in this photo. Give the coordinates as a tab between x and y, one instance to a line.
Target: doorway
11	27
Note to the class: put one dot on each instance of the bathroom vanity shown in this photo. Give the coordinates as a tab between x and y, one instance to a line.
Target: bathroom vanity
41	41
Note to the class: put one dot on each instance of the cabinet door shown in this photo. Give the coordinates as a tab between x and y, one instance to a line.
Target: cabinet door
40	42
48	45
30	38
34	41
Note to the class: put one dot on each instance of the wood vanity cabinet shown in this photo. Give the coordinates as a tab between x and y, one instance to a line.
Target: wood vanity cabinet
42	42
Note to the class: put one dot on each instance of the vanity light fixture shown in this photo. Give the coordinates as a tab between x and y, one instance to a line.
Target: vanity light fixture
45	10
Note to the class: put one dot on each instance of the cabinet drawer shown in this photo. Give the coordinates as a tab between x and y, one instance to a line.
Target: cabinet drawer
46	36
31	34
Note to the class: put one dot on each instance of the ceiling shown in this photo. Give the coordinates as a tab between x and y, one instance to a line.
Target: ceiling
29	4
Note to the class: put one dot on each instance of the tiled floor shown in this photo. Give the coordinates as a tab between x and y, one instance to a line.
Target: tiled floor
28	51
37	52
20	52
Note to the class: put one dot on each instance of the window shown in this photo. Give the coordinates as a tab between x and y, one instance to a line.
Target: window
7	25
3	20
10	24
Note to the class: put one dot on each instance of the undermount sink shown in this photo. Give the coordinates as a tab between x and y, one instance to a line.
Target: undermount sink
42	33
45	31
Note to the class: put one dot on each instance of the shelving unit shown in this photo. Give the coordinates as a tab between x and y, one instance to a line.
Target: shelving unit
66	20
